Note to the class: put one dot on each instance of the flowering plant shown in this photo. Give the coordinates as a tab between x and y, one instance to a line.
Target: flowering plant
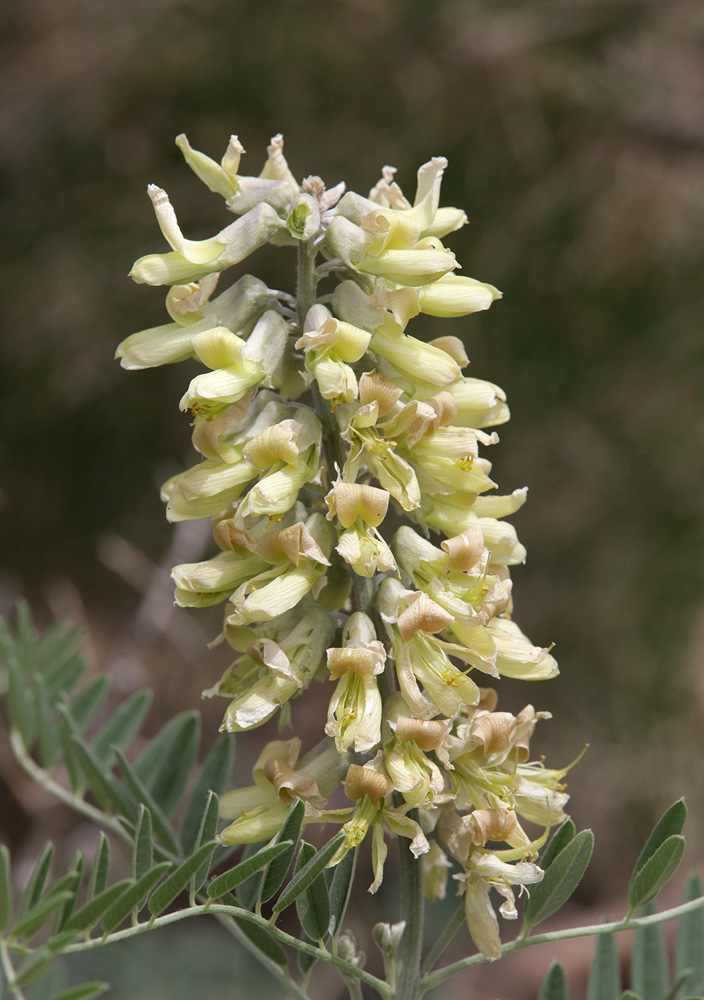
359	547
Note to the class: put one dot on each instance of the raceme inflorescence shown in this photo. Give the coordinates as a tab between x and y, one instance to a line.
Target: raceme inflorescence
360	543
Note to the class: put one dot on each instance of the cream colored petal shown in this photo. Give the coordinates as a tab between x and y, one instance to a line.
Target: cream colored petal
481	920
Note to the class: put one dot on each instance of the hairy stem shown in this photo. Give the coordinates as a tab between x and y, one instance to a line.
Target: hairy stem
435	978
412	911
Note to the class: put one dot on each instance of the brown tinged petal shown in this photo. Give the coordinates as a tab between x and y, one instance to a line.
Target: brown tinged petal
488	733
365	661
364	780
291	785
375	387
425	615
495	824
294	543
429	735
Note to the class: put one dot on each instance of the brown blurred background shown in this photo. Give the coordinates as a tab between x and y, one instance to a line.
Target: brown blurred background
575	136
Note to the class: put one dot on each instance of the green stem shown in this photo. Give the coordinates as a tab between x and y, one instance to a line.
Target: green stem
444	940
412	911
64	795
9	971
435	978
235	911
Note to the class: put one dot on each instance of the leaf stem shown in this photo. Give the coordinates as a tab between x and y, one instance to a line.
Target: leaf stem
64	795
437	977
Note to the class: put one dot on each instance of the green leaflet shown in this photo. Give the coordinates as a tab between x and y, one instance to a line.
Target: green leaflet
313	903
240	873
35	918
85	991
307	875
89	915
162	827
37	880
84	705
122	726
153	766
560	839
5	888
276	871
34	966
143	850
341	888
69	755
48	737
560	880
605	975
655	872
649	967
179	879
555	984
132	898
18	702
670	823
77	866
100	871
207	831
689	952
212	777
109	794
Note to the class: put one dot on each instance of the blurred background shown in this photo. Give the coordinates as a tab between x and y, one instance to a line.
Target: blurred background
575	138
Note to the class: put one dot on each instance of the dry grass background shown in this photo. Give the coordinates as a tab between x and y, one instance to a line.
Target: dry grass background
575	136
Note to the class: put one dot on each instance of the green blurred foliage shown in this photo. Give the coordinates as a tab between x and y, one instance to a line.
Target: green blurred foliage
576	144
